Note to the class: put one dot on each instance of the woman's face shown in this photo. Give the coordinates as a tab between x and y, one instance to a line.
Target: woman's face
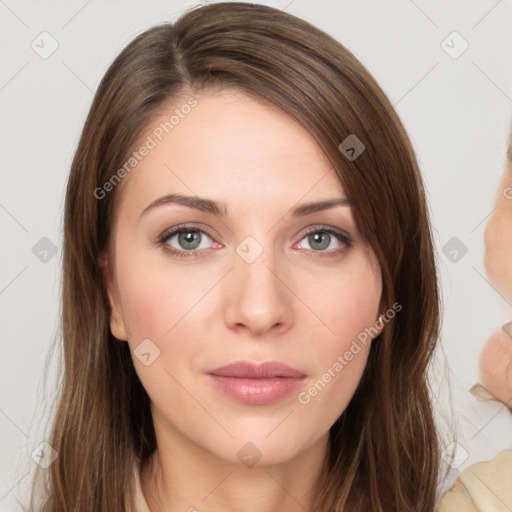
498	237
247	283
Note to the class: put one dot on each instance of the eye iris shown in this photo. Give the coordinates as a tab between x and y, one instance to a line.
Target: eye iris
189	239
320	237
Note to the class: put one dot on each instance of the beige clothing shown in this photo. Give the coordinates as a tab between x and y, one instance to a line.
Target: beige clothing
484	486
140	501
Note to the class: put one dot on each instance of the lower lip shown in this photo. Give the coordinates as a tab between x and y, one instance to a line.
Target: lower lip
257	391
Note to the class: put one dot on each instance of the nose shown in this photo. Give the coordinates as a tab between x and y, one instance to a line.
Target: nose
258	296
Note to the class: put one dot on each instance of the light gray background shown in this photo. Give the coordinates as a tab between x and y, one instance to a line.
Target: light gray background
457	113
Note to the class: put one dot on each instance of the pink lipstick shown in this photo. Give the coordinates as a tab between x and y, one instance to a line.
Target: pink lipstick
258	384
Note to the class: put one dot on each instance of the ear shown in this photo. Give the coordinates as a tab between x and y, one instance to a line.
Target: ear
117	326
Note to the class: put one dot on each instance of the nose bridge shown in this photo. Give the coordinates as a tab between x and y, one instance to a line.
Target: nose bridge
258	297
255	266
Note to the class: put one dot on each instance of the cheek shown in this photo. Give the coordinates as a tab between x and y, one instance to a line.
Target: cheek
161	303
157	298
340	368
350	305
347	302
149	304
498	249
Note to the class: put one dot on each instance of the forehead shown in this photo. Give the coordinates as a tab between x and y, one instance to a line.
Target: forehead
233	146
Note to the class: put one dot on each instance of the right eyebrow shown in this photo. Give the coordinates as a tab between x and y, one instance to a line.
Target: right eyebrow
198	203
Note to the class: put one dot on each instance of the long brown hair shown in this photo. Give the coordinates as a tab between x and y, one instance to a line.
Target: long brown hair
384	448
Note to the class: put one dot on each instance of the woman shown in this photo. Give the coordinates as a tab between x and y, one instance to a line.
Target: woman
250	299
486	485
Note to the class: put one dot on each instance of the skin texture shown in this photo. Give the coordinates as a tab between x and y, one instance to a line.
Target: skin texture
294	303
496	355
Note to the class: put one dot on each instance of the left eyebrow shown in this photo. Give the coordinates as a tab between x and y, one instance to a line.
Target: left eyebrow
210	206
307	208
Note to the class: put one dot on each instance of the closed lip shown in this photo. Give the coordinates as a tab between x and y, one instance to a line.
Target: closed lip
251	370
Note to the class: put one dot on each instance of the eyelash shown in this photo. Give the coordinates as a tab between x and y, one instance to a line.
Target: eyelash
168	234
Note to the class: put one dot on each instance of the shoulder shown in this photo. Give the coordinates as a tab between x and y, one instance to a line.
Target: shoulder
482	487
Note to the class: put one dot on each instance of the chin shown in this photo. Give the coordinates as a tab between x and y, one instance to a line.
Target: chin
256	448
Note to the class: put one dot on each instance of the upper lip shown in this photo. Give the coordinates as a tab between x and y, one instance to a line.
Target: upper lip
251	370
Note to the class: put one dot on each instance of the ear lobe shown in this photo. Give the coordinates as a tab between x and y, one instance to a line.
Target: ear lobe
117	326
